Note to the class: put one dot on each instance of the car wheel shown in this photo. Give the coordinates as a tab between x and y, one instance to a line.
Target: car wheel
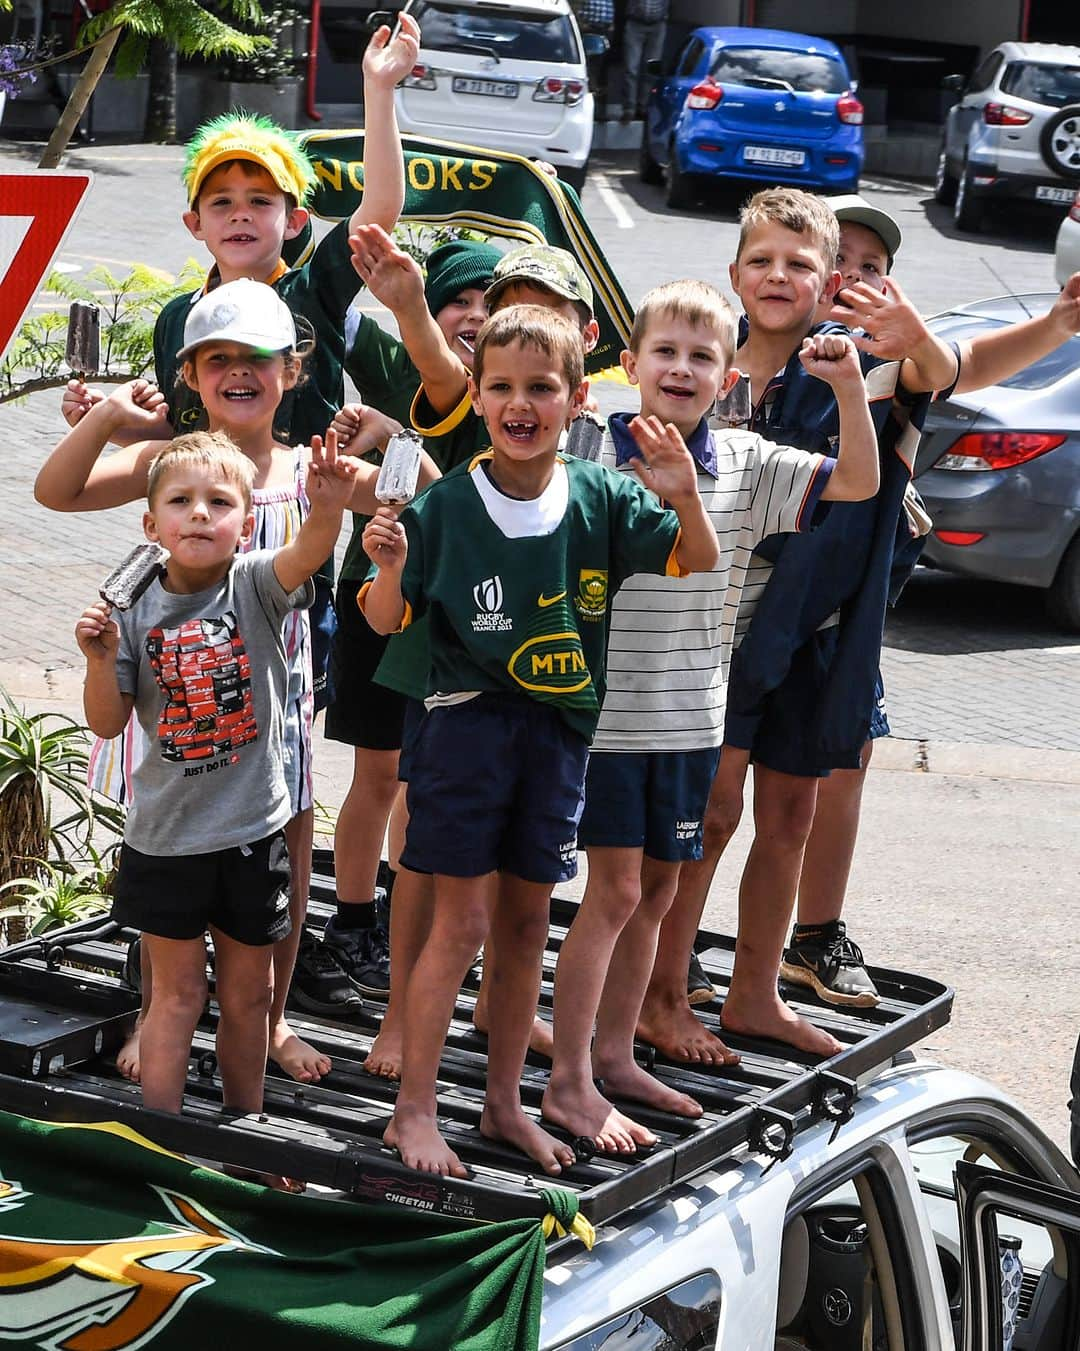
575	177
648	169
680	186
1060	142
967	209
944	183
1063	598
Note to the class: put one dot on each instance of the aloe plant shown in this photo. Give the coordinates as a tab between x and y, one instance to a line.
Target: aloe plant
56	898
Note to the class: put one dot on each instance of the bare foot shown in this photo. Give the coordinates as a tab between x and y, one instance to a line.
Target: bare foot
772	1018
631	1081
585	1111
416	1138
127	1058
515	1128
676	1033
299	1060
384	1058
541	1039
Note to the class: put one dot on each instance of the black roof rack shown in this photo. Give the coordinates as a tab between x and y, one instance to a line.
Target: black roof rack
66	1011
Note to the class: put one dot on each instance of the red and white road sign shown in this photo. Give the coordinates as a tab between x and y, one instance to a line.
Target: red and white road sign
37	208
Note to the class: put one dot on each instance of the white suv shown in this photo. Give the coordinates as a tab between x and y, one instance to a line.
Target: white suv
504	76
1015	133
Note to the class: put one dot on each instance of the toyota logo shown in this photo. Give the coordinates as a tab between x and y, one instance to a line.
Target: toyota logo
837	1307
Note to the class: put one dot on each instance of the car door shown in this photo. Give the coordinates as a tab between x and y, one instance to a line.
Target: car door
989	1202
671	95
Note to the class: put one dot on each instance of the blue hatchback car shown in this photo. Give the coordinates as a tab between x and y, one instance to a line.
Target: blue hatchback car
757	104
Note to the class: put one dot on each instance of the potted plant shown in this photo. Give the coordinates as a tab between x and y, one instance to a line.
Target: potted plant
268	81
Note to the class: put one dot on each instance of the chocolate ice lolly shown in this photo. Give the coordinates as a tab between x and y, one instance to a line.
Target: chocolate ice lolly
123	587
83	351
396	483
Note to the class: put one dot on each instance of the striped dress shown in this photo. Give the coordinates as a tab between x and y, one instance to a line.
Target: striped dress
279	513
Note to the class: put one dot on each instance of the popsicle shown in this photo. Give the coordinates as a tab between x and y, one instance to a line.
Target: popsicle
83	350
126	583
396	483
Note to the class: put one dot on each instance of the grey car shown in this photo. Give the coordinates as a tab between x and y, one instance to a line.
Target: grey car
1015	132
999	469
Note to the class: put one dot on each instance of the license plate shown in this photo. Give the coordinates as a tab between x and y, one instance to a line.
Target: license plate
768	154
1045	194
498	89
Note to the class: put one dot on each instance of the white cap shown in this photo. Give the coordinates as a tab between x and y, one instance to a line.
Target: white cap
852	207
244	311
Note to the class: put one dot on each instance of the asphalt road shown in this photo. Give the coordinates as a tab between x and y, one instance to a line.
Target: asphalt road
969	855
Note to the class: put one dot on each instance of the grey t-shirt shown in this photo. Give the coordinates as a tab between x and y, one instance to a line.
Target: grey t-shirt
209	676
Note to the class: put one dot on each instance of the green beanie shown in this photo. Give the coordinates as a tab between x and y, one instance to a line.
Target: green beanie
457	266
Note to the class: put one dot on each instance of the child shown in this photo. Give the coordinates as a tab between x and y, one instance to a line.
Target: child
515	557
658	740
240	355
203	845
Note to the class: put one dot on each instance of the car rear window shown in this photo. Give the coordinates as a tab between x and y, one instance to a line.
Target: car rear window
1056	86
1041	374
805	72
520	34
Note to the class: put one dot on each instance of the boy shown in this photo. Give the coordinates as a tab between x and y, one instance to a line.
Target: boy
820	955
515	557
657	743
201	658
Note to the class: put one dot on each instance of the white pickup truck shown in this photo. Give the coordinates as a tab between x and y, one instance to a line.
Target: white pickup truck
873	1203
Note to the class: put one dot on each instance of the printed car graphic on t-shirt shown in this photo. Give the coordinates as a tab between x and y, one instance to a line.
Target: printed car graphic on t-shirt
204	672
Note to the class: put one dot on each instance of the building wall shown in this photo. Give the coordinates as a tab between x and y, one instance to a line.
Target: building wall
965	21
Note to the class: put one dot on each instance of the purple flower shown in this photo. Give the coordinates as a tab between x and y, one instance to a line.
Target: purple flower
14	77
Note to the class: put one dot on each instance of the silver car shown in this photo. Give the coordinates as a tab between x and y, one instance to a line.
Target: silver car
999	469
1015	133
1067	249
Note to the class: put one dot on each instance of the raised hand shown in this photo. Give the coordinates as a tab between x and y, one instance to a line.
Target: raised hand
140	406
1065	311
330	476
389	58
385	542
78	399
893	327
96	632
831	357
390	274
668	467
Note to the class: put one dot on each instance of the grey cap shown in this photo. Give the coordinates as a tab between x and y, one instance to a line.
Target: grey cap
244	311
852	207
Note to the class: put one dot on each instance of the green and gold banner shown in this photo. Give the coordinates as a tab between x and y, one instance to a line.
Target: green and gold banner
489	191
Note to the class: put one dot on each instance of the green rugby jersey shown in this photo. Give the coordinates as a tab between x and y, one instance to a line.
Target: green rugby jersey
519	594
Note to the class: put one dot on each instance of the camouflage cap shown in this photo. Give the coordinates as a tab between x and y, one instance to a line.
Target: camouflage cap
541	265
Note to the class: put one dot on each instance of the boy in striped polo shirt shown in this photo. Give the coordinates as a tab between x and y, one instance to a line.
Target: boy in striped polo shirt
658	741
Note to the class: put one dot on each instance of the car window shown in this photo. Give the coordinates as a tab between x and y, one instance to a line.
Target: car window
1041	374
984	75
521	34
690	57
1056	86
805	72
686	1318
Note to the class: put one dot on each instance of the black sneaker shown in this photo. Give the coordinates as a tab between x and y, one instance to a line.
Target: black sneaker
318	984
699	988
364	956
830	964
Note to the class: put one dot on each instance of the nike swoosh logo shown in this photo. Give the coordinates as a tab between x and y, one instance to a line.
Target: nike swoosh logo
544	601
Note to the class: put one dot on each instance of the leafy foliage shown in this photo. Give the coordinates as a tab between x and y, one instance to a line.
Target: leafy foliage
192	28
61	895
275	61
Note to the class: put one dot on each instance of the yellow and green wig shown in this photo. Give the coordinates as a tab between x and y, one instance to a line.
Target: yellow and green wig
247	136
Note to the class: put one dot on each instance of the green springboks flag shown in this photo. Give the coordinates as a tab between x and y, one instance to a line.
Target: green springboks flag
490	191
108	1242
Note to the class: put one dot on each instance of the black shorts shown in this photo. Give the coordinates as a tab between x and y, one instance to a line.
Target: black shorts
243	891
362	714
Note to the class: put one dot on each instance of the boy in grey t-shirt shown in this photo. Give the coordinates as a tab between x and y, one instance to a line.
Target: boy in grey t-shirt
201	659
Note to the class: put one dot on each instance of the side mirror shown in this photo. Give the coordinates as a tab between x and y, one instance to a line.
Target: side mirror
654	67
596	45
954	83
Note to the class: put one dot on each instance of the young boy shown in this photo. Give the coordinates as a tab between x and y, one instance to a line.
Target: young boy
515	557
658	740
201	658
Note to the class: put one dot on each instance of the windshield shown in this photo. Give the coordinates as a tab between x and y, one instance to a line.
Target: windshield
1055	86
806	72
518	34
1048	370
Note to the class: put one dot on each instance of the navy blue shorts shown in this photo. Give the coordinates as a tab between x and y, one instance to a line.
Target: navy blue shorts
495	784
364	713
879	719
651	800
323	622
415	713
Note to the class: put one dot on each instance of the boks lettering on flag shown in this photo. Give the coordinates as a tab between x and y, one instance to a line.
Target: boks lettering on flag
490	191
110	1243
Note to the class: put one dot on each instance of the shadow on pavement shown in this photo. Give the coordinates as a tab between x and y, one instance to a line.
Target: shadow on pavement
940	613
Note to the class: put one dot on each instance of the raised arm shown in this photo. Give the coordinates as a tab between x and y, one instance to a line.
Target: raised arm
385	543
106	708
330	482
75	478
667	467
386	63
993	357
832	358
894	329
394	277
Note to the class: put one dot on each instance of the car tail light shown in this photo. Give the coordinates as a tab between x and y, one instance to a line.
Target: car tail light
557	90
960	537
420	77
707	94
998	450
1001	115
849	110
